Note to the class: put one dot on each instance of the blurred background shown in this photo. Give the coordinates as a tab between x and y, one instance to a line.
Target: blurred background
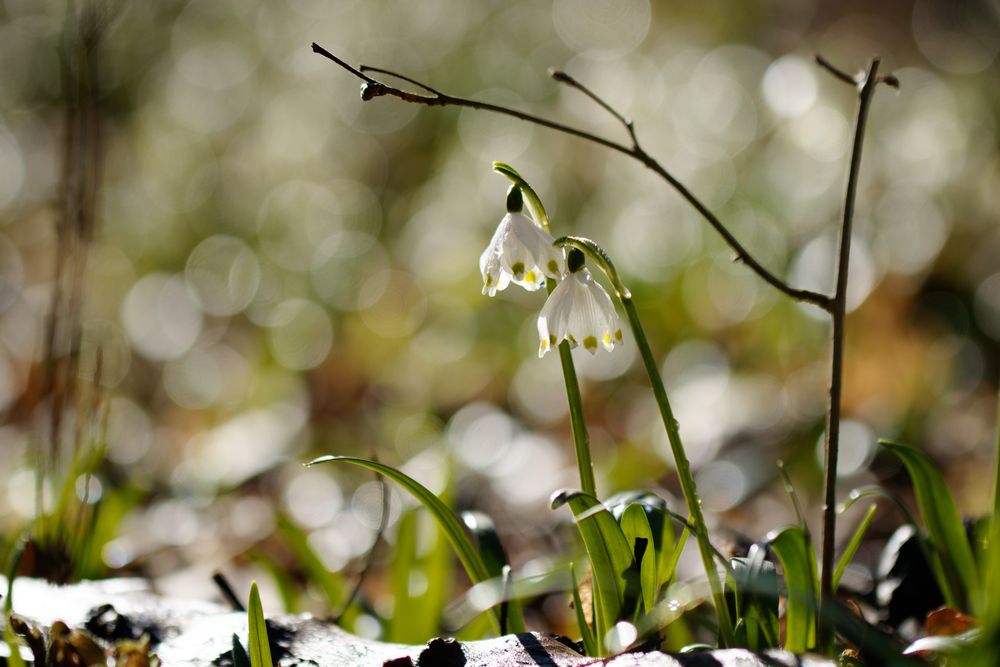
276	270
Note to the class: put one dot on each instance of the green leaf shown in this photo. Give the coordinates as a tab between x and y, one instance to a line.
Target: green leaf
636	527
240	657
260	649
609	552
794	550
445	517
495	558
531	198
852	546
960	580
756	584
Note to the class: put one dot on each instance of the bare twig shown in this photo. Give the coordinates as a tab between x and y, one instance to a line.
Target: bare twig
403	77
838	315
375	88
563	77
852	79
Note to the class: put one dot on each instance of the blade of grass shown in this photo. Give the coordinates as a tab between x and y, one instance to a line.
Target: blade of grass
260	649
452	527
852	546
944	527
418	610
495	558
240	657
798	562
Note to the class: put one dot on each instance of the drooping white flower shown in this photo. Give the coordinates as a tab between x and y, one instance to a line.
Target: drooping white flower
580	311
520	252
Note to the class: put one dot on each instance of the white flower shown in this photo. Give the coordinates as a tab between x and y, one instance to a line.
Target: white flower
520	252
580	311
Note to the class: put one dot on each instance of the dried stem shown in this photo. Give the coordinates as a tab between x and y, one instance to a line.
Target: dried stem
838	315
374	88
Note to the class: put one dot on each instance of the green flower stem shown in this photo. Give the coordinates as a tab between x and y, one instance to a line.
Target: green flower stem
601	258
581	440
683	471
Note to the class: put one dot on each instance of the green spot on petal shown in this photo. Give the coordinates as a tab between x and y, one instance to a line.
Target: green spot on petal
590	342
518	269
552	339
553	267
489	279
618	335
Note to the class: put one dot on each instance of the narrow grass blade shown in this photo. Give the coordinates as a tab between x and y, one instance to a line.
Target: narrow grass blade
794	550
260	649
944	527
610	556
240	657
495	558
636	527
852	546
419	581
449	523
756	584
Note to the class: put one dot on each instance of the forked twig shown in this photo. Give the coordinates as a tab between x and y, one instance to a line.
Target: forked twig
838	314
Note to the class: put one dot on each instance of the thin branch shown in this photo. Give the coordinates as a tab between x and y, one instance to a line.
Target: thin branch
358	73
379	70
853	79
376	88
838	314
563	77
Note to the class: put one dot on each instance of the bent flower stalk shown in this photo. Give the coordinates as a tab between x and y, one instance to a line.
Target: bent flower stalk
579	310
520	252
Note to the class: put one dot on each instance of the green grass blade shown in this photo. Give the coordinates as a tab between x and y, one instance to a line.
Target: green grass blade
449	523
610	556
852	546
495	558
240	657
260	649
636	526
405	606
944	527
794	550
755	582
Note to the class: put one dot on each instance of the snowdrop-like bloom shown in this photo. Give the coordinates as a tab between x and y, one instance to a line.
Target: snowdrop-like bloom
520	252
580	311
